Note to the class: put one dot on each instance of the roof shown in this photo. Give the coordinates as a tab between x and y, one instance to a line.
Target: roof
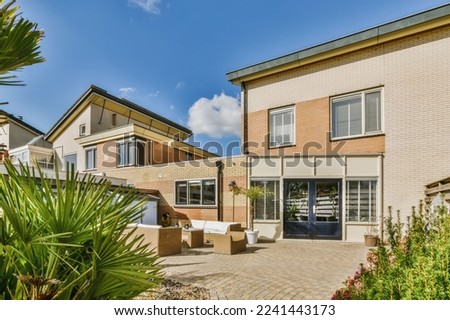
94	90
20	122
422	21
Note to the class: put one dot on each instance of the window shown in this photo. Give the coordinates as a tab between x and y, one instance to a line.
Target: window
281	126
356	115
70	160
362	200
200	192
82	129
131	153
268	207
91	159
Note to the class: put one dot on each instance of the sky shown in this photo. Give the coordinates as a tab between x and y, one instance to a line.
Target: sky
172	56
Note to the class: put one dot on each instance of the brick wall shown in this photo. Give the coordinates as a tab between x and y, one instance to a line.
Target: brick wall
415	73
163	177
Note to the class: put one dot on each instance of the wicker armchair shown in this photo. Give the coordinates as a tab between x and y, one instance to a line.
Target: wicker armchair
230	243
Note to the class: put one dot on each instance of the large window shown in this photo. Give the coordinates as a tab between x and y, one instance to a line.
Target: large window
268	207
201	192
131	153
281	126
357	114
362	200
91	158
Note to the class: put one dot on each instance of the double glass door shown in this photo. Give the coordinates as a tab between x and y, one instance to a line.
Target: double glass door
312	209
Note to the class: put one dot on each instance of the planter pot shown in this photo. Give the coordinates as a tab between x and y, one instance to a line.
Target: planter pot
370	240
251	236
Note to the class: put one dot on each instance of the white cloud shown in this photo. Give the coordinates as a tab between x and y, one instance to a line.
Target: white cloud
150	6
180	85
217	117
126	91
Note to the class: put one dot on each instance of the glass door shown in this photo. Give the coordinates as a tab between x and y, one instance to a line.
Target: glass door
312	209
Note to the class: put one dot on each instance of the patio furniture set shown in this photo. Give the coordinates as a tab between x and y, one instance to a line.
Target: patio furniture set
227	237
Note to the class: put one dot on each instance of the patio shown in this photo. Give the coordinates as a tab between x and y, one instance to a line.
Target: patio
285	270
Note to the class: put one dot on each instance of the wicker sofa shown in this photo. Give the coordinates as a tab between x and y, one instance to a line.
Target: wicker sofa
230	243
212	228
164	241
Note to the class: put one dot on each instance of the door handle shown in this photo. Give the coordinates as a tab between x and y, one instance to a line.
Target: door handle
314	209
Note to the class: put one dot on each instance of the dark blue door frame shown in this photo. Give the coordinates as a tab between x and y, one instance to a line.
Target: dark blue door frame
319	220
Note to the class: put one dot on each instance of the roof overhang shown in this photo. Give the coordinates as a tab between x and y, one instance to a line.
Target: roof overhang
100	97
420	22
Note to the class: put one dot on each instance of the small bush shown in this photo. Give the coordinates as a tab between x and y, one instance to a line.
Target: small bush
413	264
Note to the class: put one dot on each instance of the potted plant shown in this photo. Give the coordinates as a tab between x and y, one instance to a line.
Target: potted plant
253	193
371	238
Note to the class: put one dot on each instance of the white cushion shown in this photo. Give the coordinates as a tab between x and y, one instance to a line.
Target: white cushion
198	224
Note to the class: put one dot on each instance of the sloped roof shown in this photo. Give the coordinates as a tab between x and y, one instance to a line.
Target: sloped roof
97	91
20	122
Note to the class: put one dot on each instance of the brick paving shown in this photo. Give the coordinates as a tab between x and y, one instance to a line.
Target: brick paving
285	270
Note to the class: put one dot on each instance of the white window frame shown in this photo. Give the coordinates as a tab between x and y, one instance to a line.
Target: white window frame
377	197
273	144
82	130
65	162
277	198
94	164
201	204
362	94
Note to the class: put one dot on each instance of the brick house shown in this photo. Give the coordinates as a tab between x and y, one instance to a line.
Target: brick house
340	131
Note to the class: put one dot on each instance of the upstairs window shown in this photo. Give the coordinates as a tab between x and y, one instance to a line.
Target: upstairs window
82	130
281	126
131	153
357	114
91	159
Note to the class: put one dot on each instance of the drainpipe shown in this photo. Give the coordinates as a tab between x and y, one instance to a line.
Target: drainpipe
219	165
245	120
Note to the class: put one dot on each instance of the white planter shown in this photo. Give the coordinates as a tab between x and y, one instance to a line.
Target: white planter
252	236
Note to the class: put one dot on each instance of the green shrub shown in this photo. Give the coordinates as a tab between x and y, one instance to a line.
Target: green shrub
63	239
413	264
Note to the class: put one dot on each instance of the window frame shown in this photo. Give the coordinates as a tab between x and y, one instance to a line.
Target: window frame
188	203
371	201
82	130
131	144
86	164
277	199
362	94
75	163
282	110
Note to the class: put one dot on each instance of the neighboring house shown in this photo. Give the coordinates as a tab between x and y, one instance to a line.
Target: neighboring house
101	132
340	131
37	151
14	132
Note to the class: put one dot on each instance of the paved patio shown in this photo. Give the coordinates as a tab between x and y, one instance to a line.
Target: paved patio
285	270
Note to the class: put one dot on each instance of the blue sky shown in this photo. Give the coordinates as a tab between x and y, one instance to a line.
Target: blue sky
172	56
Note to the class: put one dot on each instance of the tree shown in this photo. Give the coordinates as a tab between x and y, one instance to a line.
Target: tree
19	43
65	239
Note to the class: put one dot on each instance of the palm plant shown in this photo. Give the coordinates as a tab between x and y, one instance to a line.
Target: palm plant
19	43
253	193
64	239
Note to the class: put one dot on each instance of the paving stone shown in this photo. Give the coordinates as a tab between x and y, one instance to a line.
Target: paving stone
285	270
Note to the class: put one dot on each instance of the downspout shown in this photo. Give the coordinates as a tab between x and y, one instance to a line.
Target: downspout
219	165
245	150
245	118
